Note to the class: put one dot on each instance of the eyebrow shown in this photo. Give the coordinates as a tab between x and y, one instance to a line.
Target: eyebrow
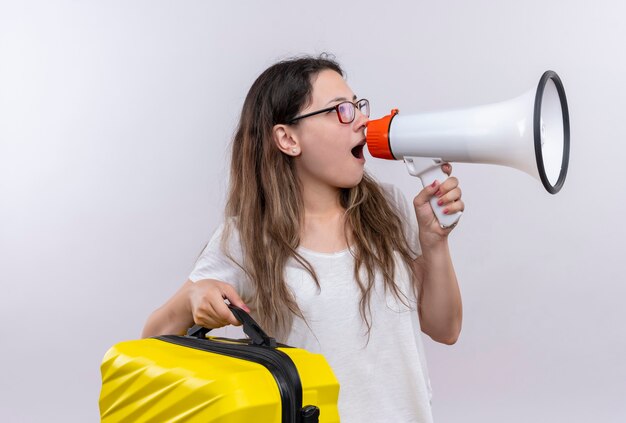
341	99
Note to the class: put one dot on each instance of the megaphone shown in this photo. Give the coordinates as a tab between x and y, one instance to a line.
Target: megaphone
529	133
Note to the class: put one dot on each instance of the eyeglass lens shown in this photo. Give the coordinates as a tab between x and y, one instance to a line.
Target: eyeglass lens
346	110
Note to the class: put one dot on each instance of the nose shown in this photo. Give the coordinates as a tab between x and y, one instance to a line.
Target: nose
360	120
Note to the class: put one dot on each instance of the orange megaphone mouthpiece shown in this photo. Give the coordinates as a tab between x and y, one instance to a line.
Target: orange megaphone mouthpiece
378	136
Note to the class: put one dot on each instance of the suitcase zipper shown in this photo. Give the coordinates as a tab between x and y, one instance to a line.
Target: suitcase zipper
277	362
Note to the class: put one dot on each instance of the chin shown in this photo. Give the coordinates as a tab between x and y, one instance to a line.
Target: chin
352	182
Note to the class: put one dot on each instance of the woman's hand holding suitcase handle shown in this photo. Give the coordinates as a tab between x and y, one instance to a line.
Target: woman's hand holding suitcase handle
205	299
250	328
210	311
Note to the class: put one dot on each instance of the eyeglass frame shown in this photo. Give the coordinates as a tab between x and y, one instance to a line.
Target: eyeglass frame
336	108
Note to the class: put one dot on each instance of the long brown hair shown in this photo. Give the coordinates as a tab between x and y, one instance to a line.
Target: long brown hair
265	204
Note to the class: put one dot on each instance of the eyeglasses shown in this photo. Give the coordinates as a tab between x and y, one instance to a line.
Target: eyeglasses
345	111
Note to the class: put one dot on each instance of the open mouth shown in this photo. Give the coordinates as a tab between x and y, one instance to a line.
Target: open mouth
357	151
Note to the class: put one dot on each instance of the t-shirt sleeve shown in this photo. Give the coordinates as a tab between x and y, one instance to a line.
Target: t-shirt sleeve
407	215
221	264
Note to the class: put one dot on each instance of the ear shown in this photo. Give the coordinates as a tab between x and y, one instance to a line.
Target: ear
286	140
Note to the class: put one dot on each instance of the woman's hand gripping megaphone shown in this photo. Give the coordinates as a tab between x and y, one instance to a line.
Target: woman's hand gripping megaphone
441	191
440	195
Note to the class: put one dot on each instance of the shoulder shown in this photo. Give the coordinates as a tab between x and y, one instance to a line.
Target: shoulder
224	244
225	232
404	209
222	258
395	197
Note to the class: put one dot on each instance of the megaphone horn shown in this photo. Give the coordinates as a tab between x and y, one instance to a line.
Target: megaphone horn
530	133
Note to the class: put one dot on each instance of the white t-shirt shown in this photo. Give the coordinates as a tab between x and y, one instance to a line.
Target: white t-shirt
381	380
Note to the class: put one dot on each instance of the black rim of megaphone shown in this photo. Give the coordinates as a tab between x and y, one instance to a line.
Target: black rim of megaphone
552	189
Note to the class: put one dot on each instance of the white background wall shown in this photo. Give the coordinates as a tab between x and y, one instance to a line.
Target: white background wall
115	119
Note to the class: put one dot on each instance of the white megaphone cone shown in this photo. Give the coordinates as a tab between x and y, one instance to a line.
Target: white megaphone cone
529	133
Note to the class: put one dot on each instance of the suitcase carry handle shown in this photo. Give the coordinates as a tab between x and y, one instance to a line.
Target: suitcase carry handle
250	328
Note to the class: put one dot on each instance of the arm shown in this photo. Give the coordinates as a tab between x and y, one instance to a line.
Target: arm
200	303
173	317
440	307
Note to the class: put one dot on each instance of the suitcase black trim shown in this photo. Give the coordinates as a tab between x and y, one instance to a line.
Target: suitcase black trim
277	363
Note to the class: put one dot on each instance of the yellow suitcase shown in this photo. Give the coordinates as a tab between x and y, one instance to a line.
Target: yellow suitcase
197	378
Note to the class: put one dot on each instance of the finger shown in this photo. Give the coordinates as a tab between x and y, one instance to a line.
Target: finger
446	168
454	207
446	186
449	197
224	314
229	293
203	317
425	194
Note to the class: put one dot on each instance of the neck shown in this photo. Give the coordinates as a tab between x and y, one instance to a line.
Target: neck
321	201
324	219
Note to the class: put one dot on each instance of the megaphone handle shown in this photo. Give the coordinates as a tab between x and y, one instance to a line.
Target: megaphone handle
429	171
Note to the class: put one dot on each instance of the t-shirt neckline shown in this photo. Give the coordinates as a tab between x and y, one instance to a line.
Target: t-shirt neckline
321	254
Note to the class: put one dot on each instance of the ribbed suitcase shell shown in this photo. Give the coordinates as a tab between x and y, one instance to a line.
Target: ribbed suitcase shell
151	380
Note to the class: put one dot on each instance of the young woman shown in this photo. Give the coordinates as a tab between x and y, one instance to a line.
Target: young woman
324	257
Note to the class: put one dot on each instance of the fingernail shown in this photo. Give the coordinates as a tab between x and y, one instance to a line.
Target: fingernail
445	211
434	184
438	193
440	202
